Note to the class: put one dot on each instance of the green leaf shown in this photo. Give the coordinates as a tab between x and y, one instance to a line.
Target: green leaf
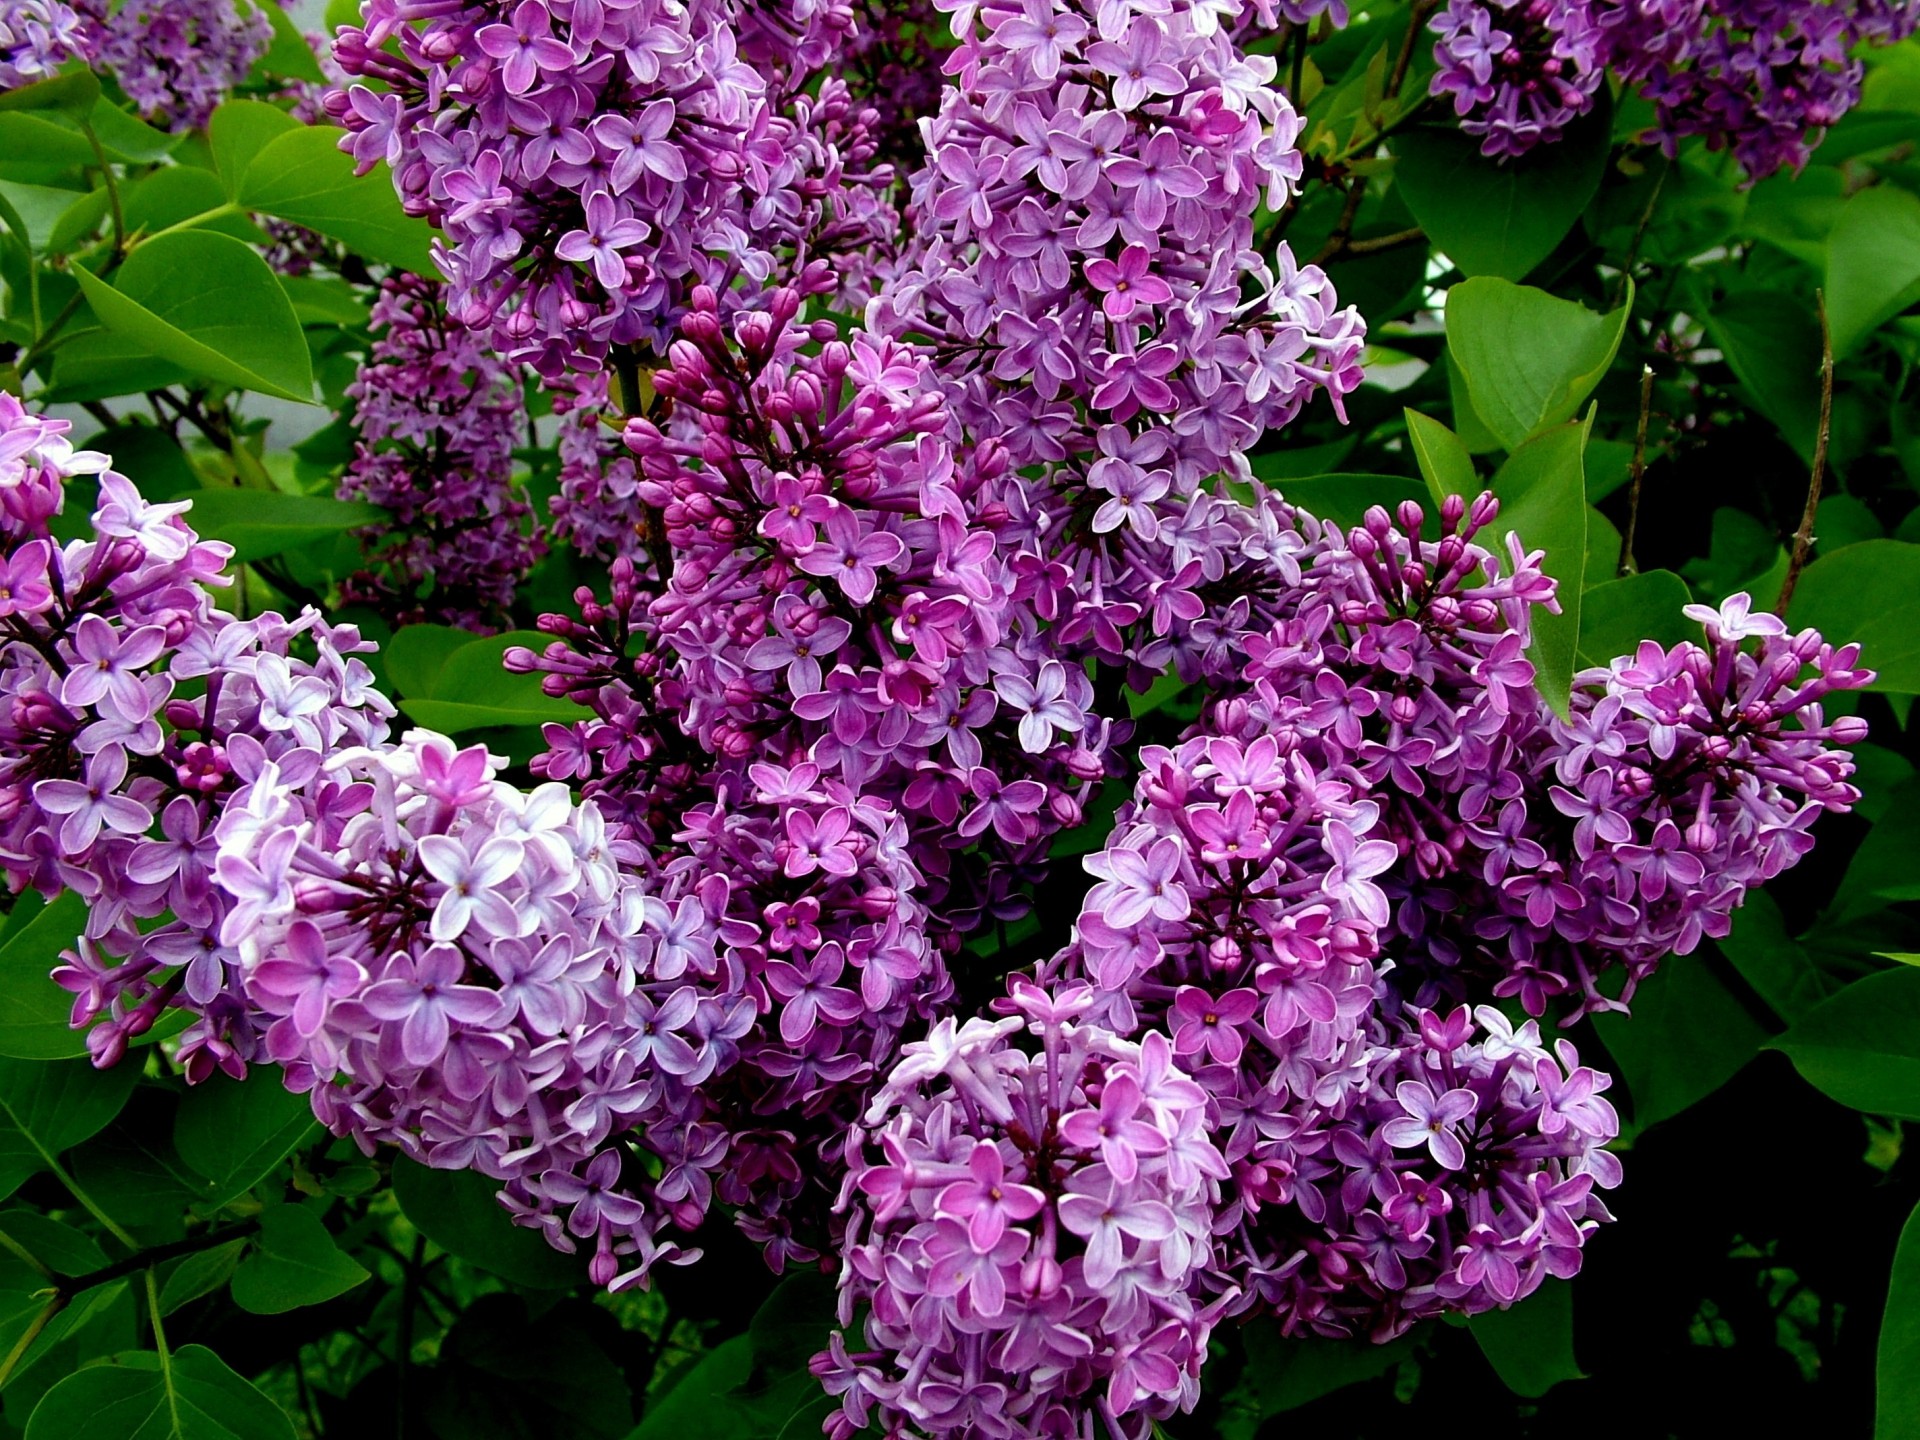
1345	499
130	1398
1528	358
1616	615
73	94
458	1211
1443	459
97	365
146	450
34	1012
1687	1036
417	654
47	1107
1867	594
200	1274
1288	1373
1771	960
1530	1346
289	54
262	523
472	689
181	192
294	1262
1796	213
210	305
1500	217
42	144
321	301
755	1385
234	1132
1467	424
1273	466
1772	342
1862	1046
38	209
1873	264
1897	1367
129	139
240	130
1543	498
303	176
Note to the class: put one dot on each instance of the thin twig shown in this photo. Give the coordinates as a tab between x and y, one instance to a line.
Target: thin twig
1638	472
1379	243
1343	229
1415	22
1803	537
1640	230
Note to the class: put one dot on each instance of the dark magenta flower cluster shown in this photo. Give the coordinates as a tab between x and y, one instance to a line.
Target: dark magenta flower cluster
1762	78
438	417
175	59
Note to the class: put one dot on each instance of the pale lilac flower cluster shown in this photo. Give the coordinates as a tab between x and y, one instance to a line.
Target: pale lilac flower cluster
471	973
177	59
37	37
438	417
1025	1222
588	163
133	710
1086	259
1763	78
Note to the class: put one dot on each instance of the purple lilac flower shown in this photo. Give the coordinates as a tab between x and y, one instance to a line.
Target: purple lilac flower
591	165
37	37
1023	1228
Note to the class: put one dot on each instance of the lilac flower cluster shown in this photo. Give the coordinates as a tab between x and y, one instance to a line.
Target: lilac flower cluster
823	592
438	416
1379	817
1086	218
468	972
1763	78
37	37
480	976
132	704
1026	1226
177	59
588	163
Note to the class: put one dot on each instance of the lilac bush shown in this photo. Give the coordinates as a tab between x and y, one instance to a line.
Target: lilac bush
891	387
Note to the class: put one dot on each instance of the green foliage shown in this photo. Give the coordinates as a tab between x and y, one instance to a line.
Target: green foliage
304	177
1869	593
1862	1046
1898	1370
190	1395
1528	358
293	1263
208	304
1689	1035
263	523
454	682
1500	218
1530	1346
234	1133
34	1016
458	1211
